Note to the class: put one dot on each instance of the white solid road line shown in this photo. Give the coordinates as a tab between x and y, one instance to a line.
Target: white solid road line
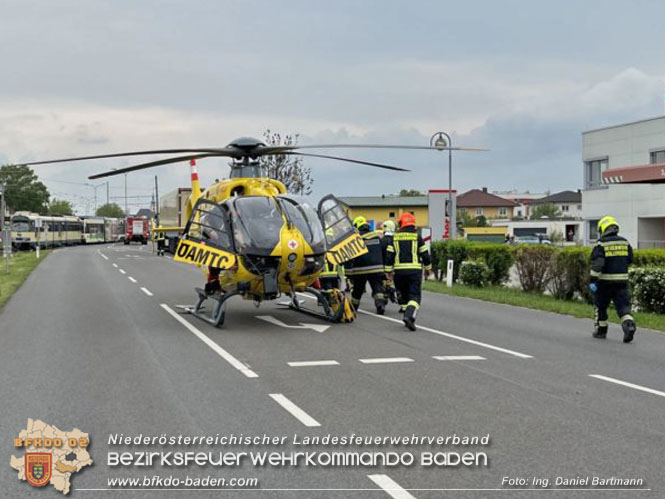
390	486
386	360
458	357
147	291
132	279
294	410
215	347
453	336
309	363
122	271
115	265
629	385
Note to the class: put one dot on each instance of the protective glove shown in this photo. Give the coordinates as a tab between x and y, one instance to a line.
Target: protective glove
593	287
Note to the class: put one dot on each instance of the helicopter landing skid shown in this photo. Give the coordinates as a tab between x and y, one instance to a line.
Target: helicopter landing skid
216	318
327	314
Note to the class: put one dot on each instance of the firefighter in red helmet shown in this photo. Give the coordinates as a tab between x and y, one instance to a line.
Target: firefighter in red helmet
406	258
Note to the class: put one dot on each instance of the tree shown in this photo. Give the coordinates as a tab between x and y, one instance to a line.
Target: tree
60	207
548	210
287	169
410	192
24	190
111	210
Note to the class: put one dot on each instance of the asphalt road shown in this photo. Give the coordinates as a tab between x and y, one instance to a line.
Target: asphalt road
94	340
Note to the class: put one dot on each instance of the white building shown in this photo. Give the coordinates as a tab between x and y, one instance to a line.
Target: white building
624	176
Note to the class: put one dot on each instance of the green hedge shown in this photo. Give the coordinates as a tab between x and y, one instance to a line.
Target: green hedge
497	257
474	273
648	287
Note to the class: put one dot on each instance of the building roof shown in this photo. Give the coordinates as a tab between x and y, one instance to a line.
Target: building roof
480	197
145	212
388	201
624	124
560	197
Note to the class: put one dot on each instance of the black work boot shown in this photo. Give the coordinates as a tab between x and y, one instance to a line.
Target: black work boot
410	318
380	306
629	327
600	332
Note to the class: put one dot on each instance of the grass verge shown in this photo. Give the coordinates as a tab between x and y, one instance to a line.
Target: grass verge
20	266
519	298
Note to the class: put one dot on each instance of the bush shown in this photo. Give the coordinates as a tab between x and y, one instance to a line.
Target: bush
649	257
570	274
474	273
497	257
648	285
534	267
458	251
438	253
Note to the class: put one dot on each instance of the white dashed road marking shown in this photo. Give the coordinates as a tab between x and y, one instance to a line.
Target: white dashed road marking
390	486
115	265
132	279
294	410
309	363
122	271
386	360
147	291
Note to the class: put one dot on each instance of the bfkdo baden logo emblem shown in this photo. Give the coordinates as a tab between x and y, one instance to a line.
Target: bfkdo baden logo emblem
50	455
38	466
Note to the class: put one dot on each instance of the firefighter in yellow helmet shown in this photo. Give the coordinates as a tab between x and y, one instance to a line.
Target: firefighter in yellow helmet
610	259
367	268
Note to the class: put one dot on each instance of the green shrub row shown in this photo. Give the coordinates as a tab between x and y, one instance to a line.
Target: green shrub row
563	272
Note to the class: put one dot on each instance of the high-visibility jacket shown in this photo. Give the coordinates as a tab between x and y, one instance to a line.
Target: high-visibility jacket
370	262
407	252
331	270
610	259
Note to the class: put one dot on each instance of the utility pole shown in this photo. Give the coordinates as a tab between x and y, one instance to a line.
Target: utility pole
107	192
4	226
156	201
126	210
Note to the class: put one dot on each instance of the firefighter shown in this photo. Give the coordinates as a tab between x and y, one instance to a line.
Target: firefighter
387	240
161	243
610	259
407	257
367	268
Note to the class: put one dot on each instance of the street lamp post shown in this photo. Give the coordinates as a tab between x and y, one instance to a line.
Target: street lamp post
441	141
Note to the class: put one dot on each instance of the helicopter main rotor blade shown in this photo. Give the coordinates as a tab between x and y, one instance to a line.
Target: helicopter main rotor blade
135	153
337	158
284	149
152	164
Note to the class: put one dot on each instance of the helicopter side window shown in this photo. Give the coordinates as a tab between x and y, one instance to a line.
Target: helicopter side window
209	223
257	222
335	221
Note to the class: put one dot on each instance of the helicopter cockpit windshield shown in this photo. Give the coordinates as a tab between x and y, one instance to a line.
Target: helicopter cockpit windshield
257	221
299	212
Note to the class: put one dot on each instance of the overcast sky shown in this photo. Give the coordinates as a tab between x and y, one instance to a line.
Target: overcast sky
523	78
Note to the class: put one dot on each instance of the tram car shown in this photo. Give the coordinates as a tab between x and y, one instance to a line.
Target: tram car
30	228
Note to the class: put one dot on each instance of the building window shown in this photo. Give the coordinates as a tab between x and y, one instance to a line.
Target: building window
579	207
657	157
391	214
462	210
594	172
503	211
564	207
479	212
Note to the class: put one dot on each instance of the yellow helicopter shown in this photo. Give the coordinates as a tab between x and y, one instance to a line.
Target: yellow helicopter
253	238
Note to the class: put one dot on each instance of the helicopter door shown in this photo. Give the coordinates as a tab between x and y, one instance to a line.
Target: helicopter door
207	240
343	242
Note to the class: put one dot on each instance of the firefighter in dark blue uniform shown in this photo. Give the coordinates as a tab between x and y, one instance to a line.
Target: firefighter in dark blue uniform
610	259
367	268
388	228
407	258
